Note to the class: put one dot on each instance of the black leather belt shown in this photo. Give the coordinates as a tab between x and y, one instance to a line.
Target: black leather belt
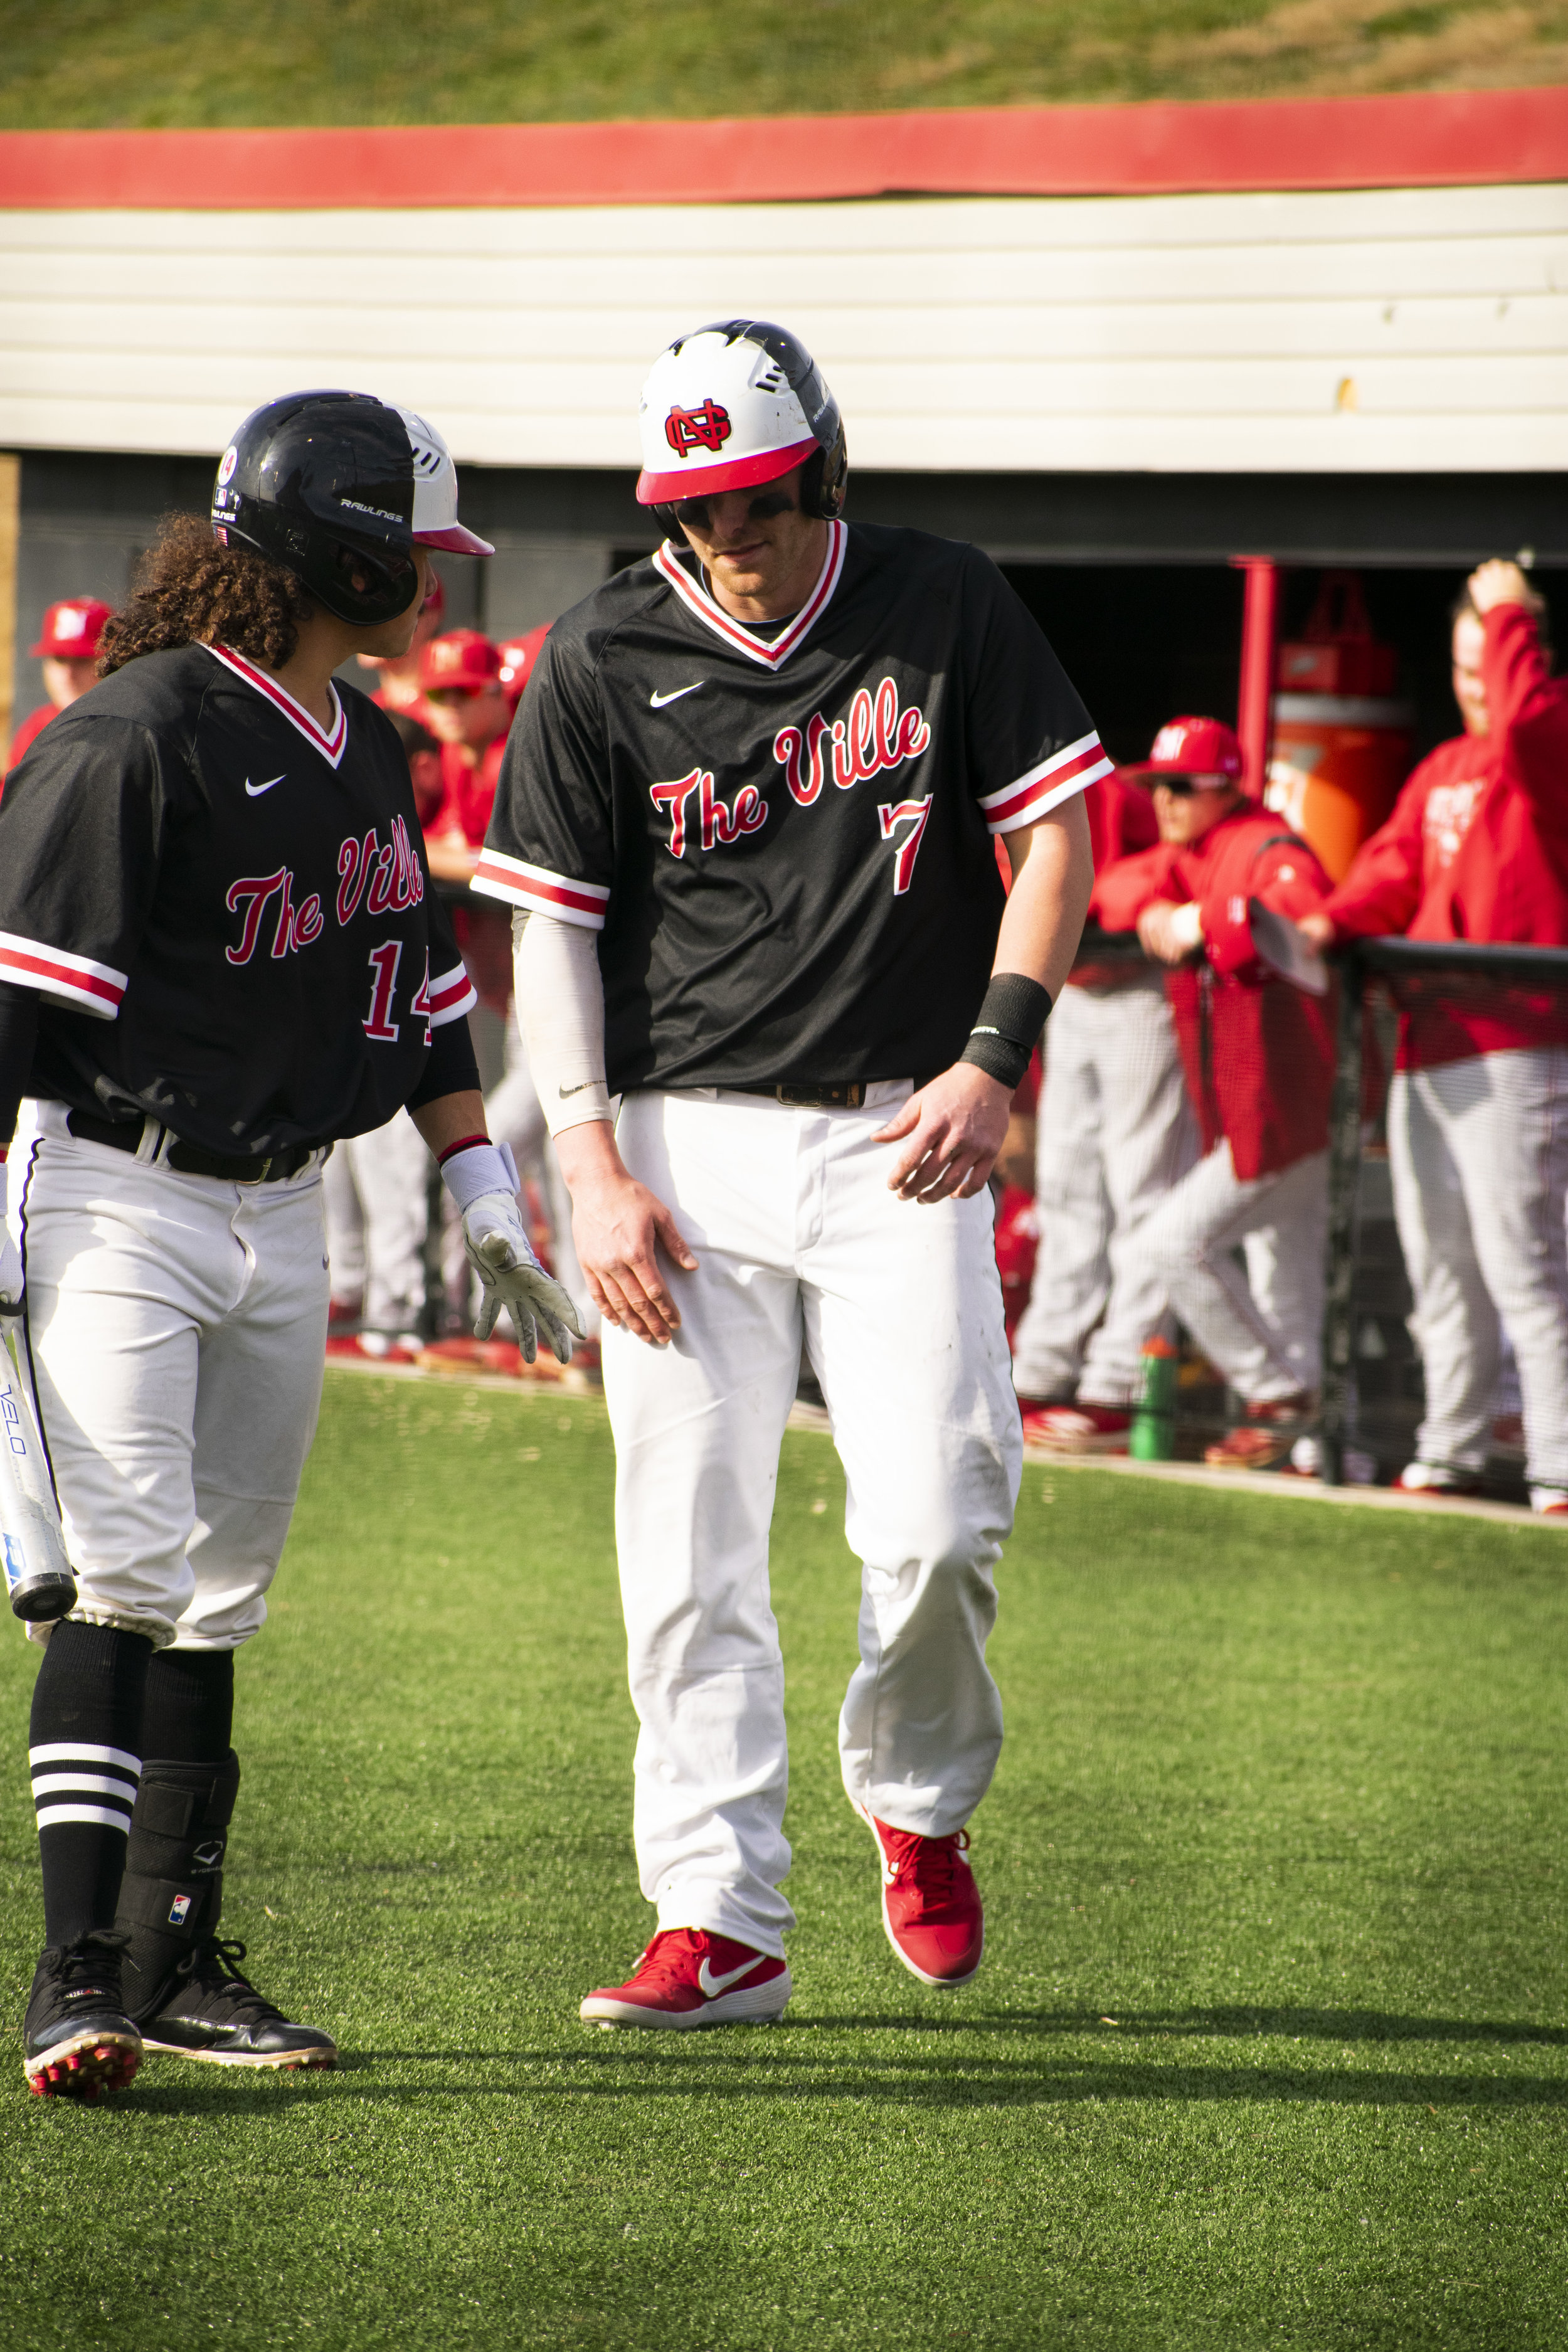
189	1159
806	1096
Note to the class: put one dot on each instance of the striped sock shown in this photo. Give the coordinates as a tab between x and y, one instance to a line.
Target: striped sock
84	1753
75	1781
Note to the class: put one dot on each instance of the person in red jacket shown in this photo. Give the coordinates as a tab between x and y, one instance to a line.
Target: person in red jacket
67	648
1116	1131
1259	1056
1476	848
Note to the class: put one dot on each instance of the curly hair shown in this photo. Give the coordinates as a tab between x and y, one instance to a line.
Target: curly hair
191	591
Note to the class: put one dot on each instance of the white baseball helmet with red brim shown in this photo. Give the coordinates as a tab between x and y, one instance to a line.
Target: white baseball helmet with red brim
731	406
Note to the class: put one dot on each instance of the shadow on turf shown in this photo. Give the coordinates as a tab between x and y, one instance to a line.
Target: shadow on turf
1199	2024
768	2063
704	2067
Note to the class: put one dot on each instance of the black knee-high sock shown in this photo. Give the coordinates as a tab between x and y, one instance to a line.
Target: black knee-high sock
189	1706
85	1749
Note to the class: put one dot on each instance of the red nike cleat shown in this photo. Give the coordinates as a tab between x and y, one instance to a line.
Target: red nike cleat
689	1977
930	1904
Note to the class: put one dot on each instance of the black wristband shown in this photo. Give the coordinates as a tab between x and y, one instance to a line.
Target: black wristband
1007	1031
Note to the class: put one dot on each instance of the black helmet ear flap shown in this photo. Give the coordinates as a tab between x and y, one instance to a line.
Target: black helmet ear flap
366	585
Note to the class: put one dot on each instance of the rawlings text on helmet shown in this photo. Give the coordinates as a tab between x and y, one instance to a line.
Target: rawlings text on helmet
340	487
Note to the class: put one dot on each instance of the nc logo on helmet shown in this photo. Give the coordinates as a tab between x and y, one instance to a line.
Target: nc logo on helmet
707	426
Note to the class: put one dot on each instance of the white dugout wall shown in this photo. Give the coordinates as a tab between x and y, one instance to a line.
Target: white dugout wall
1388	330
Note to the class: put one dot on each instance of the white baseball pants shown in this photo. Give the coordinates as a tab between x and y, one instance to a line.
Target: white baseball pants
377	1189
1478	1153
795	1231
1115	1132
1267	1347
176	1327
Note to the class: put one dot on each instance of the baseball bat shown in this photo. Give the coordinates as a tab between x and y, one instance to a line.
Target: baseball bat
37	1573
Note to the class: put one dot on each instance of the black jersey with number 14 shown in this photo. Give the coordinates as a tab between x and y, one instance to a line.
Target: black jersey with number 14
785	837
225	908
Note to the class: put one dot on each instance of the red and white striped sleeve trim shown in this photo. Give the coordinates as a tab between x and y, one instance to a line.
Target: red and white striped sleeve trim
85	986
541	892
1031	796
451	996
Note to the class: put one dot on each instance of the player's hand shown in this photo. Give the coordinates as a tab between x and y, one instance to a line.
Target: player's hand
1318	930
956	1126
1499	582
499	1253
619	1226
10	1275
1170	934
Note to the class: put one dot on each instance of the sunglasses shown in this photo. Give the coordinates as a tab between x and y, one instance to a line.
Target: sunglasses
1182	788
460	693
762	510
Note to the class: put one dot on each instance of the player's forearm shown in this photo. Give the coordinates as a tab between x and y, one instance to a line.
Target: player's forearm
450	1118
19	1039
560	1012
1053	877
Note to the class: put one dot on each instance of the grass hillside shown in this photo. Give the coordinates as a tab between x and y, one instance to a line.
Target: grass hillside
1270	2052
100	63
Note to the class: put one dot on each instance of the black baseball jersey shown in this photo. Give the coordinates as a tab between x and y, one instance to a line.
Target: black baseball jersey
785	837
225	908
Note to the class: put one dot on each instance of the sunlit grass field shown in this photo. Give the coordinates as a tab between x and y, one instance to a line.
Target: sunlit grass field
173	63
1270	2048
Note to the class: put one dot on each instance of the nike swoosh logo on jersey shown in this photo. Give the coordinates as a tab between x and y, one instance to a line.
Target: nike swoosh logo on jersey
712	1986
254	790
658	702
564	1091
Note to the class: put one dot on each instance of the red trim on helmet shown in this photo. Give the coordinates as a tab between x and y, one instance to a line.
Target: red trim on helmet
737	474
455	539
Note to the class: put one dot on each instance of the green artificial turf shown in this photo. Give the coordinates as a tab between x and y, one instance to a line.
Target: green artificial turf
1271	2047
96	63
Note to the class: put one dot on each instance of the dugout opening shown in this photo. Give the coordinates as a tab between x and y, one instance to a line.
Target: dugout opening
1144	642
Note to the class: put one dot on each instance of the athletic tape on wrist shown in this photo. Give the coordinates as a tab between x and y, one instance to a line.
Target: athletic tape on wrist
1007	1031
476	1168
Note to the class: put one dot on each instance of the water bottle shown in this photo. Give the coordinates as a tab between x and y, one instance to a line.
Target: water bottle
1153	1437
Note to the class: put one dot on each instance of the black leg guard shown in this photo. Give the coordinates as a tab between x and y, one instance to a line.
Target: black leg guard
173	1890
185	1989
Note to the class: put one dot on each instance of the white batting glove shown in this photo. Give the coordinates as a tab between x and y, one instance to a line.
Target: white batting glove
499	1251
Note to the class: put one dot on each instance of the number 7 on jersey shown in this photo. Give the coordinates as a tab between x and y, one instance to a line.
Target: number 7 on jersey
896	812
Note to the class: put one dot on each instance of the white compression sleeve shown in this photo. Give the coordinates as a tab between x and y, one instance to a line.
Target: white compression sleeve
560	1012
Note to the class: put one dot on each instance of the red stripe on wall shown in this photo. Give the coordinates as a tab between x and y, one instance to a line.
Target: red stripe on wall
1445	139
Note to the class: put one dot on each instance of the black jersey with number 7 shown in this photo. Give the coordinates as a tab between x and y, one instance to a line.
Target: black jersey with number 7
785	836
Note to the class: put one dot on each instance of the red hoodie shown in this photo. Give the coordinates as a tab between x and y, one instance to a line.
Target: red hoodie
1259	1053
1476	848
1121	820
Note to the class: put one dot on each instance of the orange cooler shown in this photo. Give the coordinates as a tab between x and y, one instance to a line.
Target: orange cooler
1337	765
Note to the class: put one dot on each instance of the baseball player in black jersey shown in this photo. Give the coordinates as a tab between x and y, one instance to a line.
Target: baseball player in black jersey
748	815
219	950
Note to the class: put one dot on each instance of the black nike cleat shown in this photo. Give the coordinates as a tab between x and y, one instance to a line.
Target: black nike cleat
212	2013
77	2041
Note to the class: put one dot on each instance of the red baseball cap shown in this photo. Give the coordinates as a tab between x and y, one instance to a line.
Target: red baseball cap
461	657
70	631
518	655
1192	747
